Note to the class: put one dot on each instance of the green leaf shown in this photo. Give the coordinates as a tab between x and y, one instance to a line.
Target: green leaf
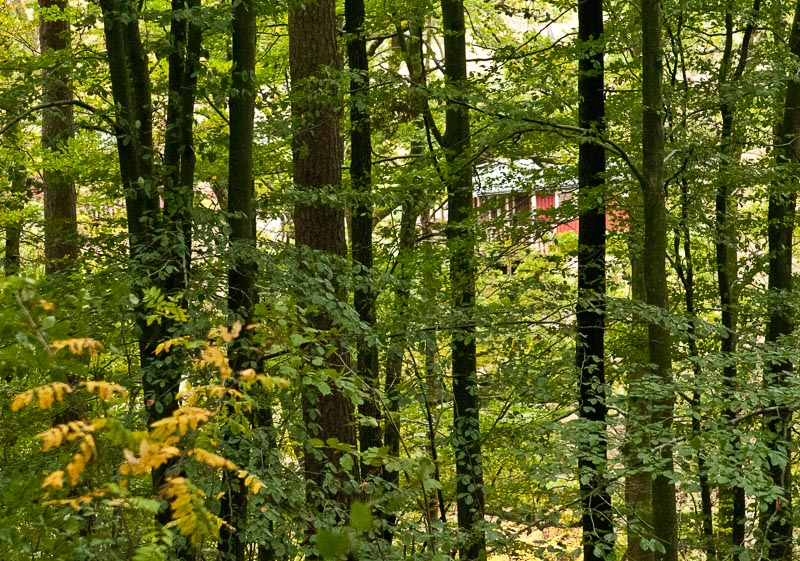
360	516
332	544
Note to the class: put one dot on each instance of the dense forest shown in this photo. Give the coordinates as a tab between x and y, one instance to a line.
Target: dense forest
399	279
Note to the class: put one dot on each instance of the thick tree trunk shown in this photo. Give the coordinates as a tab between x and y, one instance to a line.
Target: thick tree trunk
461	249
655	226
60	206
778	524
319	226
598	530
130	88
242	264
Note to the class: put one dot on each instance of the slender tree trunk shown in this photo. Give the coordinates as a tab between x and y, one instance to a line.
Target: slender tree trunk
179	157
732	499
13	225
242	265
655	226
638	482
778	524
684	266
370	436
461	249
598	530
319	226
60	207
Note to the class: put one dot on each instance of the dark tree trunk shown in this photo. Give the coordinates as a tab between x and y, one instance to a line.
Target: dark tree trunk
13	226
461	249
60	210
777	522
130	88
598	530
179	156
370	436
732	499
319	226
684	266
242	264
655	242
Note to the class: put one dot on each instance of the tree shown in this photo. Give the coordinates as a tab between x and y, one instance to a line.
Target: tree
319	234
242	264
60	214
655	240
598	530
461	251
778	522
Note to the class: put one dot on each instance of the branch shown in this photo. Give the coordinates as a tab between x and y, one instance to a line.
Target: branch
591	135
60	103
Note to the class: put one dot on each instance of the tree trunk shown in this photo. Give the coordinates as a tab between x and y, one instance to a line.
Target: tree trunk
461	249
13	225
370	436
242	264
655	227
732	499
179	156
319	226
60	208
777	523
130	88
598	530
638	481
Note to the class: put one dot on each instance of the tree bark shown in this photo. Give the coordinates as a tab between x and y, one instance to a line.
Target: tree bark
60	205
242	264
655	226
598	530
461	249
131	91
319	226
777	522
732	499
364	299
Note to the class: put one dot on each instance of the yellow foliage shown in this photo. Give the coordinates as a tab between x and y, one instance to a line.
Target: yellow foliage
105	390
55	480
152	454
213	460
46	395
87	450
250	377
251	482
227	334
190	515
78	346
167	345
54	437
181	420
213	356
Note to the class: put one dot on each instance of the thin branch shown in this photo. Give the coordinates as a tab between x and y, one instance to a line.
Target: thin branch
59	103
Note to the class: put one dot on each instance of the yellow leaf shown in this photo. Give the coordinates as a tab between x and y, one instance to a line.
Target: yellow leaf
21	400
105	390
78	346
213	460
55	480
167	345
